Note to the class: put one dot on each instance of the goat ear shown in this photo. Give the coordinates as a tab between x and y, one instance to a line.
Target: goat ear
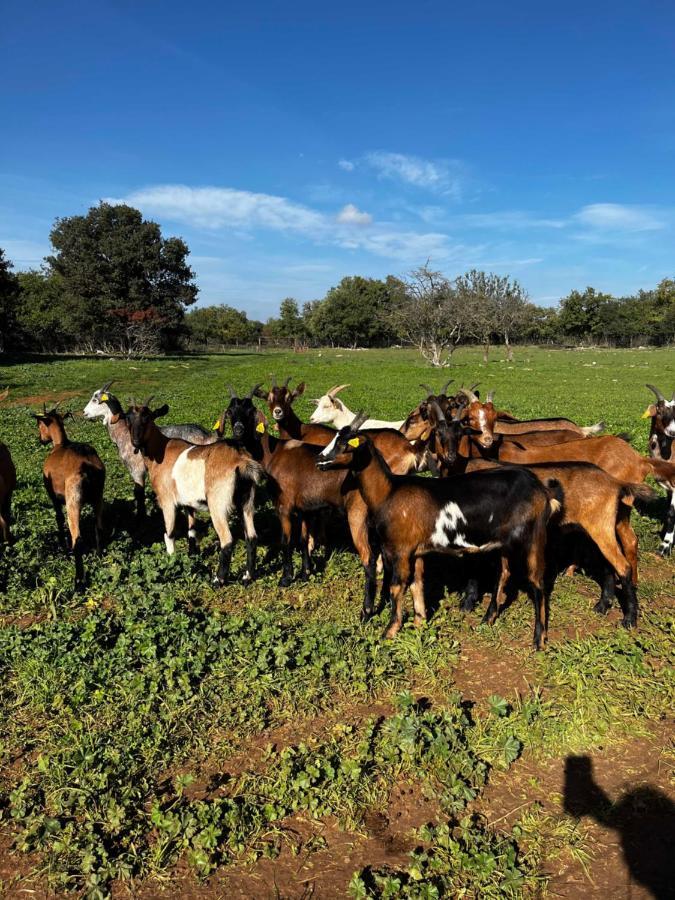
650	412
260	423
300	389
467	429
162	411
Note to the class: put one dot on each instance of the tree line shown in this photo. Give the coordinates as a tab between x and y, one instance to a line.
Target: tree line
114	284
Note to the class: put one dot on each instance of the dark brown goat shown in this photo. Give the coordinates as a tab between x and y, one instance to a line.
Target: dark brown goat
73	475
280	400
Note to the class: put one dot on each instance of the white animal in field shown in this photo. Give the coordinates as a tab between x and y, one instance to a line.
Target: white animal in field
330	410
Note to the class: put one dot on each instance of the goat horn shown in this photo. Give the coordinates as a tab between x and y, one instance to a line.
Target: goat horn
429	390
274	381
287	381
474	386
147	402
446	385
335	390
655	390
253	390
490	397
358	420
106	386
438	412
467	392
232	391
457	414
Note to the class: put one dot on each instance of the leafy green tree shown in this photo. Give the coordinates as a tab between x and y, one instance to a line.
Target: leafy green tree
290	325
580	317
122	281
9	290
221	325
495	307
355	313
43	321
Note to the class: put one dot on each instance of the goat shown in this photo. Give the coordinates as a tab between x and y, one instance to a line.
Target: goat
7	486
73	475
104	405
299	491
662	446
505	510
220	477
330	410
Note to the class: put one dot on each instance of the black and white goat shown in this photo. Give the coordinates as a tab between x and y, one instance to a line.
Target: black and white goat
506	510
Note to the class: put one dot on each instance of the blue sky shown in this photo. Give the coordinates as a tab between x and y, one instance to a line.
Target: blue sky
292	144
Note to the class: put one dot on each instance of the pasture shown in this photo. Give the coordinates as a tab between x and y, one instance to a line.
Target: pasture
157	734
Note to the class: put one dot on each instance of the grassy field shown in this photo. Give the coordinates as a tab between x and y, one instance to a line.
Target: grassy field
156	734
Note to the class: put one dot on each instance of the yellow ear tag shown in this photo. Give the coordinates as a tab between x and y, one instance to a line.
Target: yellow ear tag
260	427
354	442
104	397
646	414
216	425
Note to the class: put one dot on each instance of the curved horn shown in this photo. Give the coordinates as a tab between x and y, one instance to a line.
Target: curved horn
335	390
429	390
467	392
490	397
287	380
253	390
106	386
457	412
655	390
438	412
274	381
446	385
474	386
233	393
147	402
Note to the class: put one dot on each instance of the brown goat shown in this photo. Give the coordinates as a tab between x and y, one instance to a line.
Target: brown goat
73	475
280	400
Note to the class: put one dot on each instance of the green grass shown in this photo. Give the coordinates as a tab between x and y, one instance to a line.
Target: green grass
113	705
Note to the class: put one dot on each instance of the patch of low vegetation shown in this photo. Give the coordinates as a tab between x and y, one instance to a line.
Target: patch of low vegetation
140	722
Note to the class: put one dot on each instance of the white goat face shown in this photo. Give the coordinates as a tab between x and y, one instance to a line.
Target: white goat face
95	409
326	409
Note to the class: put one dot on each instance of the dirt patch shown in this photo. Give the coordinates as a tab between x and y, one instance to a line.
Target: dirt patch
624	798
16	879
50	398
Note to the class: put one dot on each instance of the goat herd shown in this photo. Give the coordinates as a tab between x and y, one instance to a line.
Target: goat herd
537	495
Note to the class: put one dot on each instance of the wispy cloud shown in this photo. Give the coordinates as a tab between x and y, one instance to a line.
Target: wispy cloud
442	176
352	215
217	209
615	217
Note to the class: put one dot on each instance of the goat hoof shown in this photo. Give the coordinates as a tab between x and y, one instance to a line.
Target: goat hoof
665	550
390	631
467	605
285	581
366	615
601	608
419	621
629	621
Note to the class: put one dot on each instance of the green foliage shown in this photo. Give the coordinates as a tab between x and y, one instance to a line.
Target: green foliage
353	314
123	284
221	326
9	289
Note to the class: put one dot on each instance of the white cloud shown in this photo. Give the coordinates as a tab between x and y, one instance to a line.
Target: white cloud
25	254
238	211
352	215
507	220
440	176
347	165
213	207
616	217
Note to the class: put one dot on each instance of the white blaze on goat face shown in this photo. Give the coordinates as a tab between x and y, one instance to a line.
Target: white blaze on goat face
95	409
189	475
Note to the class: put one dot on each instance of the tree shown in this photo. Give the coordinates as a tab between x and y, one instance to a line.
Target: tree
9	290
426	312
354	313
495	306
42	321
579	315
123	282
290	325
221	325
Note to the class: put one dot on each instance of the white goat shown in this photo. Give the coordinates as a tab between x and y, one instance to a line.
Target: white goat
330	410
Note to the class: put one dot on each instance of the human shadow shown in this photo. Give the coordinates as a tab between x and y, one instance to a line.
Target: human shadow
643	816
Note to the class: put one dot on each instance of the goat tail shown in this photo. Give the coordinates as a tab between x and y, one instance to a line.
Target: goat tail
590	430
632	492
555	495
249	469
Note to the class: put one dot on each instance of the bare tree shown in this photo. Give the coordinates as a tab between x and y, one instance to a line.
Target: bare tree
426	313
494	306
